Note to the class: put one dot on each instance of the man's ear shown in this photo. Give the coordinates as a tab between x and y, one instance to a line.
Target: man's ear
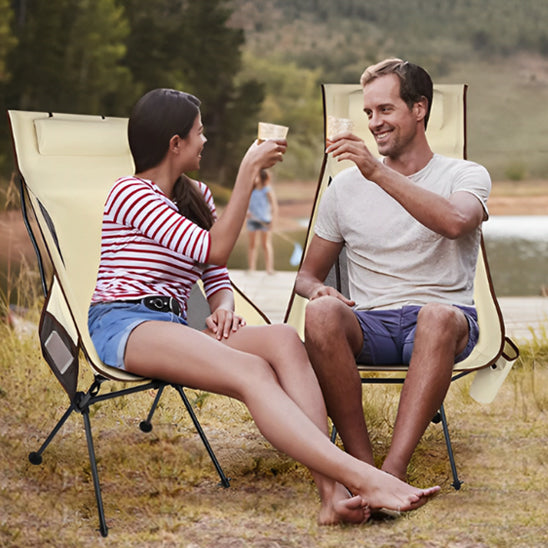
421	108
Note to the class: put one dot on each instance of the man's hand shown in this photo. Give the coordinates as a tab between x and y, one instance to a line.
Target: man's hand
327	290
347	146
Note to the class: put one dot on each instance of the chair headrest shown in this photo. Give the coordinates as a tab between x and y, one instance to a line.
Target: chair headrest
82	137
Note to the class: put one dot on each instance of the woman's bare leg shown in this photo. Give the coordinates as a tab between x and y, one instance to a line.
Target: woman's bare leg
182	355
281	347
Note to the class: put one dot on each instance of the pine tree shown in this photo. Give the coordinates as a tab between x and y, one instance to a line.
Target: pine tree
211	61
69	57
7	38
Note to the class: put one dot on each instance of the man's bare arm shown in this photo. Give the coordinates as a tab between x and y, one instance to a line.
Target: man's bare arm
451	217
320	257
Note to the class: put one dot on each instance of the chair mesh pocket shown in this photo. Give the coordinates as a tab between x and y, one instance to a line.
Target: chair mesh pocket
60	352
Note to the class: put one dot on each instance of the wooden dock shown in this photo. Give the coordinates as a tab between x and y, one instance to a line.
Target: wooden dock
524	317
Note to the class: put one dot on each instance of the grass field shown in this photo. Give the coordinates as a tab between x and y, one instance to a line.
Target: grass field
160	489
506	116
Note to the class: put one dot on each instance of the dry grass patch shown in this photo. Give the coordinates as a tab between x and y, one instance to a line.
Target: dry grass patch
160	489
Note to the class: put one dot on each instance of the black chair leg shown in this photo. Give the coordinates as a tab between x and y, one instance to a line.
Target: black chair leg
146	425
456	481
35	457
224	480
94	473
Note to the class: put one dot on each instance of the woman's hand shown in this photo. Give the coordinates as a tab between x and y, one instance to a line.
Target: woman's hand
266	153
222	323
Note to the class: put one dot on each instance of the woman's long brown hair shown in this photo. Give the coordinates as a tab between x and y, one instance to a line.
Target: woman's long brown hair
191	203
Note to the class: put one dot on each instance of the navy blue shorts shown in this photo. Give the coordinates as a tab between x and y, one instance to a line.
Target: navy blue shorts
389	335
110	325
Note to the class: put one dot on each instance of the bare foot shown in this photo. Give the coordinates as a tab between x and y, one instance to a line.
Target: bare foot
347	509
382	490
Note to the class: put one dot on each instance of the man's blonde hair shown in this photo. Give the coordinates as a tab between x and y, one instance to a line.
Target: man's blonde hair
388	66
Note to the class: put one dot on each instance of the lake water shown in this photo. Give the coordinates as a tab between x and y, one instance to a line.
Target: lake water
517	249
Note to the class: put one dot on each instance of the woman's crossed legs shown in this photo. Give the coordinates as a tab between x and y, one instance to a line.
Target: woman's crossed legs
267	368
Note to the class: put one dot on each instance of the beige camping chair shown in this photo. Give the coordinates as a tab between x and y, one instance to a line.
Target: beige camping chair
494	354
67	163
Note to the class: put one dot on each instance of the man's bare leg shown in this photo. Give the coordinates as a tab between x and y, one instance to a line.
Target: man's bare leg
442	333
332	338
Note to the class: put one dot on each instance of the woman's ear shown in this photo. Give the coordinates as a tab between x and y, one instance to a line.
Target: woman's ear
175	144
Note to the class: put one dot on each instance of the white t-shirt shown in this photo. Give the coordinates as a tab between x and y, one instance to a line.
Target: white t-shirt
393	260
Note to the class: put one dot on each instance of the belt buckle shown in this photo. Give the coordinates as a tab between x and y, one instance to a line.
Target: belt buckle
158	303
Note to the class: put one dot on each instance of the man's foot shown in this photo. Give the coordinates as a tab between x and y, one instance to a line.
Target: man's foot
346	510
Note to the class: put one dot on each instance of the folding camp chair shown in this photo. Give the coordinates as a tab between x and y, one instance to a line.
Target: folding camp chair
494	354
66	164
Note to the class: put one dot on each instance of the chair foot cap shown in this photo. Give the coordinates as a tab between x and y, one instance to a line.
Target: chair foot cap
35	458
145	426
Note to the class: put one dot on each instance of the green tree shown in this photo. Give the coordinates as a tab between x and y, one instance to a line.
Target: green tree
94	57
293	98
7	43
189	45
156	45
7	38
69	57
210	62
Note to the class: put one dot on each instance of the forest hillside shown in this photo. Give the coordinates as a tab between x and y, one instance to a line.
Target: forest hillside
265	59
498	47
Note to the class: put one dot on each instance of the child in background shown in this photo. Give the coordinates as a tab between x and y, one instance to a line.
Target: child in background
263	208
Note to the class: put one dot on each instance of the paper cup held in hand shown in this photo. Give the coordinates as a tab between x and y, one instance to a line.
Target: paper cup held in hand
338	125
271	131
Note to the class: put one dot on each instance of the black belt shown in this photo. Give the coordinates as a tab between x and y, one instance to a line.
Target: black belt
158	303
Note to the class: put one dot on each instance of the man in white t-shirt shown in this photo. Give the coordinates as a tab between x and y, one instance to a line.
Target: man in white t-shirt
410	225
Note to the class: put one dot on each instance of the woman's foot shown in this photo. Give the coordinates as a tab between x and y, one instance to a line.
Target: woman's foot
382	490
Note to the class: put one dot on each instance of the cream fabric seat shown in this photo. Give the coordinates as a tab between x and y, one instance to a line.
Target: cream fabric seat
67	164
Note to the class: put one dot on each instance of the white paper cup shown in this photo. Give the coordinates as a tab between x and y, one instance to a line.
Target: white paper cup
271	131
335	126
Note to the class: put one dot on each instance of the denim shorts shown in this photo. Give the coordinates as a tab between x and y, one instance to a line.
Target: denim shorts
389	335
110	325
254	226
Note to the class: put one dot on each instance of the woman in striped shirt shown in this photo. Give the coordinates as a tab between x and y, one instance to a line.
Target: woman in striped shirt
160	234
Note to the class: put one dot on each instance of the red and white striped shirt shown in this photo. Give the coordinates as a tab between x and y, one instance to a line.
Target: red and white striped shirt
149	248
